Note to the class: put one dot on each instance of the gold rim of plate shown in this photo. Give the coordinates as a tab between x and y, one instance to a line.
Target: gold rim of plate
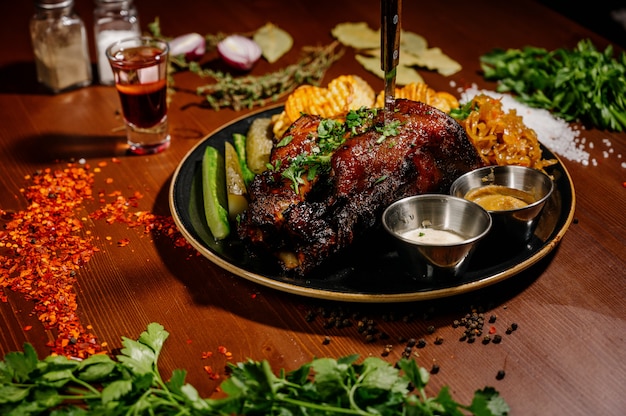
303	290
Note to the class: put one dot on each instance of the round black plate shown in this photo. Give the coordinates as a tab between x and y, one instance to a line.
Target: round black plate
370	270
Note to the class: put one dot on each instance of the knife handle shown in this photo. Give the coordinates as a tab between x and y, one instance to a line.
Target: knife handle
390	11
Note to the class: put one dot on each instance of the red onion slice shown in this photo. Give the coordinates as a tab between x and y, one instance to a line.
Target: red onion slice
192	45
239	51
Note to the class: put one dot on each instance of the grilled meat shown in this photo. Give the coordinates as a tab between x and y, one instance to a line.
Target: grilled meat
305	212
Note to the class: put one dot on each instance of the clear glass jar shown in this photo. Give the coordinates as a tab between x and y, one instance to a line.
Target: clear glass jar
60	46
113	20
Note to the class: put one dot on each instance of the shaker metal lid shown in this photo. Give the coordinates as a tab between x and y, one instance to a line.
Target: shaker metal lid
53	4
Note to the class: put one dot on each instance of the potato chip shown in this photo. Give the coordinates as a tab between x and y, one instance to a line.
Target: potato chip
274	42
344	93
355	92
421	92
281	124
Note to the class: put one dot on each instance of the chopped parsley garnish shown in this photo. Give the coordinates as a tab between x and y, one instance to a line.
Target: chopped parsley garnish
332	134
462	112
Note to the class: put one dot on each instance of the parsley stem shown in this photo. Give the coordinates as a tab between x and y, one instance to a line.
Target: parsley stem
86	385
325	407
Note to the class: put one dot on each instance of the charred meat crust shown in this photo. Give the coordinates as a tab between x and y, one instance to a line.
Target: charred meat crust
368	172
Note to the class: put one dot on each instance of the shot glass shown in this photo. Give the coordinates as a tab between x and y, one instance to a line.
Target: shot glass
139	67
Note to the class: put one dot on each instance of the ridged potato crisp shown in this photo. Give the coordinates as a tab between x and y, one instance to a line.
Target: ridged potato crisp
350	92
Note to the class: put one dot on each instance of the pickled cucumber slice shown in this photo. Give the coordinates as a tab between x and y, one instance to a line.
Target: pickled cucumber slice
235	186
239	141
214	193
259	144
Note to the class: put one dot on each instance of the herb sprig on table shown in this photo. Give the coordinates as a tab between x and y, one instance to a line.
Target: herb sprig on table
575	84
132	384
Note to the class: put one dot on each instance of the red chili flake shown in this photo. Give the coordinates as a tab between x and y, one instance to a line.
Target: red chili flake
492	329
189	341
212	374
207	354
123	242
28	327
43	247
109	180
223	350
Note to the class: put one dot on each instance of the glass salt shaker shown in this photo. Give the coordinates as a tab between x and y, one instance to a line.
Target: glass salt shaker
113	20
60	46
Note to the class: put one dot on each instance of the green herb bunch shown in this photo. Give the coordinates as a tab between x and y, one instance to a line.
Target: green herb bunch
575	84
132	385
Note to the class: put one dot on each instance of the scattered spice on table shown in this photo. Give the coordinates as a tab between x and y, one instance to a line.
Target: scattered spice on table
44	246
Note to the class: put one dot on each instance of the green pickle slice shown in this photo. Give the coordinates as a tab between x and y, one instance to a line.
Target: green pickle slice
214	193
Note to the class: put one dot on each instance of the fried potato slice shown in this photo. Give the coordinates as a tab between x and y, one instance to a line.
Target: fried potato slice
350	92
421	92
344	93
280	124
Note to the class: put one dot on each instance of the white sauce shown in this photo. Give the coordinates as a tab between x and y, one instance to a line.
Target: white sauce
433	236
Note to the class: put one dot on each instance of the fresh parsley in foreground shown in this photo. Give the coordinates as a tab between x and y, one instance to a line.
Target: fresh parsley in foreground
132	384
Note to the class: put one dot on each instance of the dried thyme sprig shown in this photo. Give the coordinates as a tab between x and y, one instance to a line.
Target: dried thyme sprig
253	91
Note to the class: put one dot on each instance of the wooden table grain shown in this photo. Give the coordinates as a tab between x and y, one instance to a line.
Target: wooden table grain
567	355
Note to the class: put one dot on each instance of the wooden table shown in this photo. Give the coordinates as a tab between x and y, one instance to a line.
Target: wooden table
567	355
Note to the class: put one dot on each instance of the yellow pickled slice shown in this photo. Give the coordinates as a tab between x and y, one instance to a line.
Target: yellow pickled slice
259	144
235	186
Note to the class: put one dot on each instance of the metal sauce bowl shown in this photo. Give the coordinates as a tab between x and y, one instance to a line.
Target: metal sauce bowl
511	226
440	212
